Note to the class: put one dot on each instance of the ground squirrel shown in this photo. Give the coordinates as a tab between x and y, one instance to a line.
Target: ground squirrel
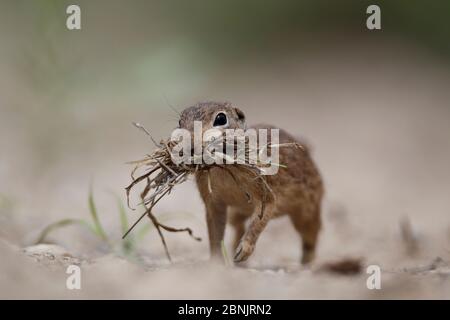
297	188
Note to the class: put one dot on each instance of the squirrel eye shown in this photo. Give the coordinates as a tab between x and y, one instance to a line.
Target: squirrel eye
221	120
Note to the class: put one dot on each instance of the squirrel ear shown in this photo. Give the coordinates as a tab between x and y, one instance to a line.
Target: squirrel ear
240	114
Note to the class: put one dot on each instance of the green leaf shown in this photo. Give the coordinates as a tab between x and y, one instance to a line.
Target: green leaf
225	254
128	244
93	211
60	224
123	215
144	231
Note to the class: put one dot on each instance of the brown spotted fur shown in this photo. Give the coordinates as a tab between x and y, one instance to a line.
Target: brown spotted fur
232	194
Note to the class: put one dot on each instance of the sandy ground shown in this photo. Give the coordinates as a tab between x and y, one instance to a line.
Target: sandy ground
378	122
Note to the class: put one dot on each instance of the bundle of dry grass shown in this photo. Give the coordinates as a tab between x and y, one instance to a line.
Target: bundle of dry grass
161	175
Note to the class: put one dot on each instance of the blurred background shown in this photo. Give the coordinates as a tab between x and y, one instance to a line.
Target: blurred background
373	104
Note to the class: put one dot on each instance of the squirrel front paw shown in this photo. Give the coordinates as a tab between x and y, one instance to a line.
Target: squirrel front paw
243	251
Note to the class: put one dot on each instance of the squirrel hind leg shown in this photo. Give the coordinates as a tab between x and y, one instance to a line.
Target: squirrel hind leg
309	233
